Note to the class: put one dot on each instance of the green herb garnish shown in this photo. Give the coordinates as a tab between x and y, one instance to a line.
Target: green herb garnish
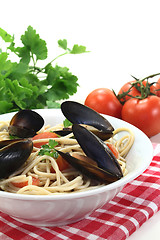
26	85
67	123
13	137
49	149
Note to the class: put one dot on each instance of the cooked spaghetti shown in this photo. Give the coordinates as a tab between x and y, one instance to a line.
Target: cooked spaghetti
44	170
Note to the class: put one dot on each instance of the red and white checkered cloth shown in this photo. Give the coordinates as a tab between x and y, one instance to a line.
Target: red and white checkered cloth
116	220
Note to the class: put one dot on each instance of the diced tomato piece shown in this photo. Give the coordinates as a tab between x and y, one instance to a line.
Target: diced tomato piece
42	136
35	181
62	164
113	149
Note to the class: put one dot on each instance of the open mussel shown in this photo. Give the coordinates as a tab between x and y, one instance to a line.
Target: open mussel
108	169
13	154
64	131
25	123
78	113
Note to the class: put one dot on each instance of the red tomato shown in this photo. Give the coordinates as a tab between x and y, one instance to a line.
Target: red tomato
104	101
113	150
42	136
144	114
133	91
157	88
35	181
62	164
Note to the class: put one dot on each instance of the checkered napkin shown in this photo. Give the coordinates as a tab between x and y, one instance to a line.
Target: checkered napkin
116	220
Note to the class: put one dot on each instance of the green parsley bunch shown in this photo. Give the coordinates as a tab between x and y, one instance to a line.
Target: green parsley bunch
20	84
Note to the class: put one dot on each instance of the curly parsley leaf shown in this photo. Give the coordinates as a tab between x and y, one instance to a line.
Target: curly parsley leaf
24	54
63	44
49	149
67	123
78	49
5	36
5	106
63	83
34	44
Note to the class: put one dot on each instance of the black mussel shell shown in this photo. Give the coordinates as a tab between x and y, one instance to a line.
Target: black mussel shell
63	132
100	134
97	150
89	169
13	155
25	123
5	143
78	113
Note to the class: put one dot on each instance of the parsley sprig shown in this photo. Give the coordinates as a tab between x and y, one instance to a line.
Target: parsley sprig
24	84
67	123
49	149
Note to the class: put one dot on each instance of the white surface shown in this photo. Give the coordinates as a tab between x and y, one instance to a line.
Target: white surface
47	210
149	230
123	37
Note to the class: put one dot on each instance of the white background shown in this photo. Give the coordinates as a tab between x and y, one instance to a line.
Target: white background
122	35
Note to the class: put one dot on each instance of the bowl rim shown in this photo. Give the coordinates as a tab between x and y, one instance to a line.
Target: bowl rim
117	184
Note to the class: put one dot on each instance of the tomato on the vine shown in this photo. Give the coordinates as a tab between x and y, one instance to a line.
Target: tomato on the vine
144	114
133	89
104	101
157	88
138	102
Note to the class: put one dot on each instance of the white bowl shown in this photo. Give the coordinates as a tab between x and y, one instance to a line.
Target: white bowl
65	209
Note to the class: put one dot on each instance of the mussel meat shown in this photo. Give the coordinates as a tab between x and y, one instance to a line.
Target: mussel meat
108	169
25	123
78	113
13	154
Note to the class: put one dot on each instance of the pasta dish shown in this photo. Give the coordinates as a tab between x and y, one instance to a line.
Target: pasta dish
42	173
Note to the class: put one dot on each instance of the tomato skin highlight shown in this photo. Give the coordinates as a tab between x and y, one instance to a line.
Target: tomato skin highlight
144	114
103	100
42	136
